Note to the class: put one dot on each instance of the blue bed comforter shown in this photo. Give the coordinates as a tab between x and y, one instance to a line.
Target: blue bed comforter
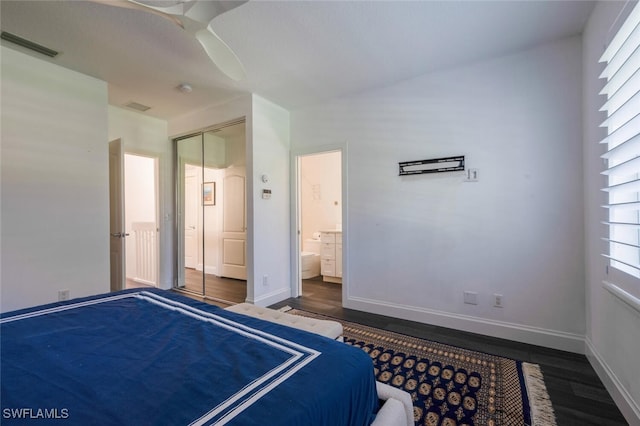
157	358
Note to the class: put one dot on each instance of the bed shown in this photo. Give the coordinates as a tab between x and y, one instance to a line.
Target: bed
155	357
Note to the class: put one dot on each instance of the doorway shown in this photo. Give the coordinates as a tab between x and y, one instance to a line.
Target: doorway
141	220
211	213
134	206
319	219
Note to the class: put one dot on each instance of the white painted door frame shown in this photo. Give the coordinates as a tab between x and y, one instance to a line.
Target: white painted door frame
296	224
156	188
117	207
180	220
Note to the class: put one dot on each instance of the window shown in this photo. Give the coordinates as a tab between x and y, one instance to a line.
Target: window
622	88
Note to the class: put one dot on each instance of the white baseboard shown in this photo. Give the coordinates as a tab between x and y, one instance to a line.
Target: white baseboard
212	270
145	282
166	285
555	339
628	407
271	298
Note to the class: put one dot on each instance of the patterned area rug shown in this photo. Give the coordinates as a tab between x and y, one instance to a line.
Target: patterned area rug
450	385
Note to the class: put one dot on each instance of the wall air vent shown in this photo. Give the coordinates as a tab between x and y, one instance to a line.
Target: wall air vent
137	106
28	44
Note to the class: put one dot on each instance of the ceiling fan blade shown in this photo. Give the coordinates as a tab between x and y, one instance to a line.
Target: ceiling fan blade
130	4
221	54
217	50
205	11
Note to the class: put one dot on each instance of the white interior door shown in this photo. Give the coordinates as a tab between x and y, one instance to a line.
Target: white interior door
234	224
116	214
191	205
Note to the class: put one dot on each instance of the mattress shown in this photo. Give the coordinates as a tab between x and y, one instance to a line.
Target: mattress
155	357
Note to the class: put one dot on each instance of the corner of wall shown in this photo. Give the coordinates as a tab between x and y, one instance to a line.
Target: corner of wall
270	298
628	407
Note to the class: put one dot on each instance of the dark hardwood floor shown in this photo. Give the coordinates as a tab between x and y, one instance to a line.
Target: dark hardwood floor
577	394
226	291
134	284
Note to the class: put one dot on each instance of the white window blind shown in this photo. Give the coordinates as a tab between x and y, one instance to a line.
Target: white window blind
622	88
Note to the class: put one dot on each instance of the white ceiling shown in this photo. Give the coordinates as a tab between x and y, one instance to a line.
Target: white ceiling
295	53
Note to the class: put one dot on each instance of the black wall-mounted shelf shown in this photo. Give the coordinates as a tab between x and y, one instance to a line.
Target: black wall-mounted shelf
434	165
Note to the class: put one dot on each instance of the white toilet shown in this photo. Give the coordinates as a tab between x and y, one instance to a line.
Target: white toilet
310	258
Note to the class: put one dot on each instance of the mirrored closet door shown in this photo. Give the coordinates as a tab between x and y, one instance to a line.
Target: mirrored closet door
211	213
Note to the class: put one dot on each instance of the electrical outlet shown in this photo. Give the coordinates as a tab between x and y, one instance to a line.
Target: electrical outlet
497	300
265	280
63	295
471	297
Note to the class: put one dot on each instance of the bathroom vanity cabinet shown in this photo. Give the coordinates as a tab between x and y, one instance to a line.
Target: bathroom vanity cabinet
331	256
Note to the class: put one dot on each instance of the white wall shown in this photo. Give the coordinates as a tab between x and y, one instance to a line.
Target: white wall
270	246
613	327
148	136
236	150
416	243
267	148
55	183
216	114
320	192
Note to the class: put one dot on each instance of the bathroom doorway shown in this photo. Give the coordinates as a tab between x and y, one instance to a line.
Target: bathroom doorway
320	225
211	213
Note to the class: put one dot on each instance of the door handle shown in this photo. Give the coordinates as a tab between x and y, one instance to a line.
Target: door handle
119	234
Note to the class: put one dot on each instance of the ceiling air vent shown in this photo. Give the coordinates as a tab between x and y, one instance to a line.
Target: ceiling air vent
28	44
137	106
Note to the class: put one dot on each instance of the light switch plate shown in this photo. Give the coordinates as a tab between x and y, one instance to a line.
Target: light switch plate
471	175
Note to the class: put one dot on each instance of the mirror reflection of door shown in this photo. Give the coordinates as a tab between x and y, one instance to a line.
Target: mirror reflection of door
211	214
190	216
234	228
